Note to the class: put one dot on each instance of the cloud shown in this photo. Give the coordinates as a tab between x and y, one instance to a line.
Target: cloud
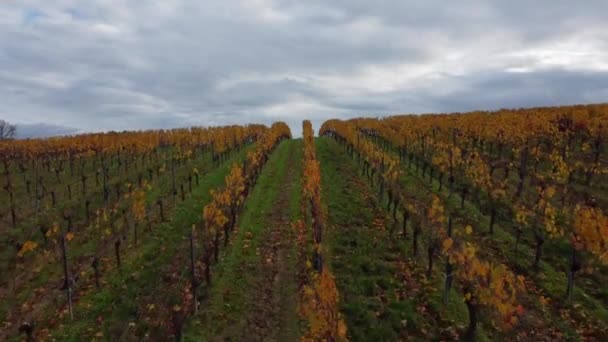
103	65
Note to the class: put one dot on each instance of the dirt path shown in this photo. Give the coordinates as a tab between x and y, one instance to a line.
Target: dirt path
254	294
274	303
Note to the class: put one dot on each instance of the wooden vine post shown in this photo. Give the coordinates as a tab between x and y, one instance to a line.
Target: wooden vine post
67	284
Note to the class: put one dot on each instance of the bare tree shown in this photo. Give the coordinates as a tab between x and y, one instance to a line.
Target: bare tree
7	131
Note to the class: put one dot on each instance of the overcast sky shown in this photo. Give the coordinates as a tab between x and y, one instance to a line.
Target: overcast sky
105	64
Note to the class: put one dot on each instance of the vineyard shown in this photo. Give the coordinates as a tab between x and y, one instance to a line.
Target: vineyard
465	226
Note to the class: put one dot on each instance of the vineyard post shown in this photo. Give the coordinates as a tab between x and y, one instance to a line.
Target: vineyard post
95	265
126	165
125	221
28	329
395	203
472	309
68	286
13	216
449	276
538	247
207	261
117	252
381	180
216	245
68	217
71	158
358	155
135	224
36	185
405	217
492	218
317	236
451	185
43	231
38	199
57	171
173	185
522	171
106	191
160	208
192	272
432	245
87	203
518	232
463	194
148	221
415	239
575	266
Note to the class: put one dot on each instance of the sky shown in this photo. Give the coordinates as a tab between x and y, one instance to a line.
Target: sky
101	65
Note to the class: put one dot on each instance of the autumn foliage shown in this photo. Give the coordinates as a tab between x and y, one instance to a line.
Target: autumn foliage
95	190
533	169
220	215
482	283
320	298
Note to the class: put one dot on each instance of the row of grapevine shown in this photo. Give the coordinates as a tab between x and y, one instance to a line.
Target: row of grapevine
41	164
319	300
482	283
557	151
220	215
143	205
102	212
219	218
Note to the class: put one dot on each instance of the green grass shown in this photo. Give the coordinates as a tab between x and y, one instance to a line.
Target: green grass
500	248
384	293
551	278
231	295
87	239
118	301
380	302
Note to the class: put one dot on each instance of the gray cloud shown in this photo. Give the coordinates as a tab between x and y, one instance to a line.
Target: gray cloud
102	65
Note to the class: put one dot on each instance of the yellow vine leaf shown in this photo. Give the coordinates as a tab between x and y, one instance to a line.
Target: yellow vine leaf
27	246
447	244
69	236
468	230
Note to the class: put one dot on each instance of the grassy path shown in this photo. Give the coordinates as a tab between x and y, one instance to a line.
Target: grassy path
380	294
254	292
